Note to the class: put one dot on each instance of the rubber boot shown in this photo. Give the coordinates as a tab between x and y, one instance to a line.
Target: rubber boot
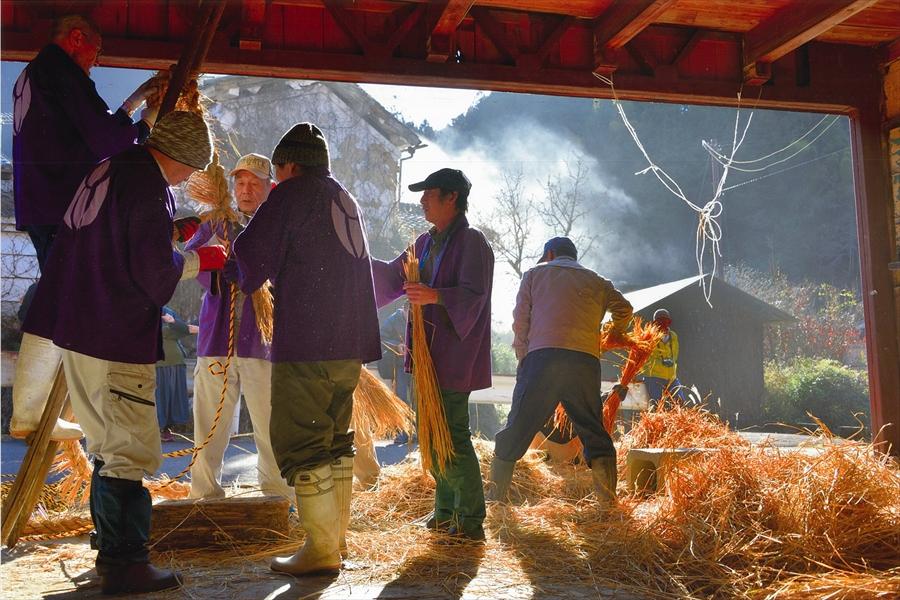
603	473
342	471
501	477
120	509
35	371
320	518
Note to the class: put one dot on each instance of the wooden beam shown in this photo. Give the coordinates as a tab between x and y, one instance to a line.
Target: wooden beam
253	21
687	48
494	31
622	21
409	20
348	25
440	42
790	28
536	60
871	176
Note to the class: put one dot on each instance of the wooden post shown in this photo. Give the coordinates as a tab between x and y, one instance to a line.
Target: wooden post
207	17
32	473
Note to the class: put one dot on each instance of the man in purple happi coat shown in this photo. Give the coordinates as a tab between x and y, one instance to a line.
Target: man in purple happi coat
309	239
249	371
114	268
61	129
456	272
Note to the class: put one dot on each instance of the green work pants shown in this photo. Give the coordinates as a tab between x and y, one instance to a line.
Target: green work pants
311	407
459	493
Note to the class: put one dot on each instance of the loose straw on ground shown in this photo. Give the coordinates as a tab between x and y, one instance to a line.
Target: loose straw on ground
434	434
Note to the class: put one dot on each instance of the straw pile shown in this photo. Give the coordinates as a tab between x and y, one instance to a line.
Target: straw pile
378	410
434	434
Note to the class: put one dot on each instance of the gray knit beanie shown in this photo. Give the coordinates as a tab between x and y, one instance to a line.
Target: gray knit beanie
183	137
304	145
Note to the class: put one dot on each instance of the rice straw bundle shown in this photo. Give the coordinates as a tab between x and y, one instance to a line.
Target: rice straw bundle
640	343
264	309
434	434
378	410
190	98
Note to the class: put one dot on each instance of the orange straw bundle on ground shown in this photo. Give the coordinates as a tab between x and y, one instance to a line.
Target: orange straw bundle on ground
378	410
434	434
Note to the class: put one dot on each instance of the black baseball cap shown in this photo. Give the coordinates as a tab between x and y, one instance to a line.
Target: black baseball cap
453	180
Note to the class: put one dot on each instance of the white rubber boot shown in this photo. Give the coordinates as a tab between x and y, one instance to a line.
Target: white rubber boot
35	370
342	469
320	518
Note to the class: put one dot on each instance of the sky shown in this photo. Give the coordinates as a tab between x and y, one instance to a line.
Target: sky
438	106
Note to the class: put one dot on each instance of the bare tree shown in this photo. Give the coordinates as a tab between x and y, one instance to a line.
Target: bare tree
567	206
509	229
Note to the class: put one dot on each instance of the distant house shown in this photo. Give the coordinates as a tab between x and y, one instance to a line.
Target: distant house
365	141
721	348
18	265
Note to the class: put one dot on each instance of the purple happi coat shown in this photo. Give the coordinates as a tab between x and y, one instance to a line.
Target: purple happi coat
112	267
460	327
61	129
214	313
309	238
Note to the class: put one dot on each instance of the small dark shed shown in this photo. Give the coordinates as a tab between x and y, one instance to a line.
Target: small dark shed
721	347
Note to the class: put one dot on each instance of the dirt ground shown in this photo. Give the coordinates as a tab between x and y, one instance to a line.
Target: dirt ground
64	571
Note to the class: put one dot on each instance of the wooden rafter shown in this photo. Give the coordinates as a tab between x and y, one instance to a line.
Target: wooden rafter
790	28
625	19
495	33
440	42
536	60
253	20
348	25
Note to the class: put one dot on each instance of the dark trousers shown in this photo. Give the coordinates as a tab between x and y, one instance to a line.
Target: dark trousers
459	493
657	387
120	509
42	237
312	403
546	378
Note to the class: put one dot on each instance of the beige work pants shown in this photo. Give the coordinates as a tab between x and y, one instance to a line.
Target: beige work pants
252	376
115	404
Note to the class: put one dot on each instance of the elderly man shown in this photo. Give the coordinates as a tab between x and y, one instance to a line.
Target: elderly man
61	129
310	239
250	371
456	272
115	265
556	322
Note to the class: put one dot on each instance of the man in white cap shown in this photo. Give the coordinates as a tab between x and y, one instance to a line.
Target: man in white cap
116	267
250	371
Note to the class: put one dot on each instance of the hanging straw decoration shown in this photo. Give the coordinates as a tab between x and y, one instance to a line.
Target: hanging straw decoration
640	343
378	410
189	100
435	443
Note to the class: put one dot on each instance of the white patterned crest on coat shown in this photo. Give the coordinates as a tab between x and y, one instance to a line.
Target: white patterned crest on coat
21	101
348	225
89	198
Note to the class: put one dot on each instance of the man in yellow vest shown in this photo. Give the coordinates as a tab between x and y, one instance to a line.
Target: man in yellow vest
661	371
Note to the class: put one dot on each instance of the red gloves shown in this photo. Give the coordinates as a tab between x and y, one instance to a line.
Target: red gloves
184	229
212	258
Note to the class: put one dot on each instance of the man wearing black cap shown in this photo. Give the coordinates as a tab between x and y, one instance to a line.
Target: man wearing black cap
456	267
556	322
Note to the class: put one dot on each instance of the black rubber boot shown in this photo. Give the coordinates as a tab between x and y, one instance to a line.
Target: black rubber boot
139	578
604	475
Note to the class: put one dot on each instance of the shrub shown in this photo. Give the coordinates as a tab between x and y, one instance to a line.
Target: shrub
504	359
821	387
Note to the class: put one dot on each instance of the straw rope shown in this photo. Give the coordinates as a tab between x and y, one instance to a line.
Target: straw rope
434	434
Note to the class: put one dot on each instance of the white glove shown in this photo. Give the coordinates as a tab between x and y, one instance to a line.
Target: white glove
138	96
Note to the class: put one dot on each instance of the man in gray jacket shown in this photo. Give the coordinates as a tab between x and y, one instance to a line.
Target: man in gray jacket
556	322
